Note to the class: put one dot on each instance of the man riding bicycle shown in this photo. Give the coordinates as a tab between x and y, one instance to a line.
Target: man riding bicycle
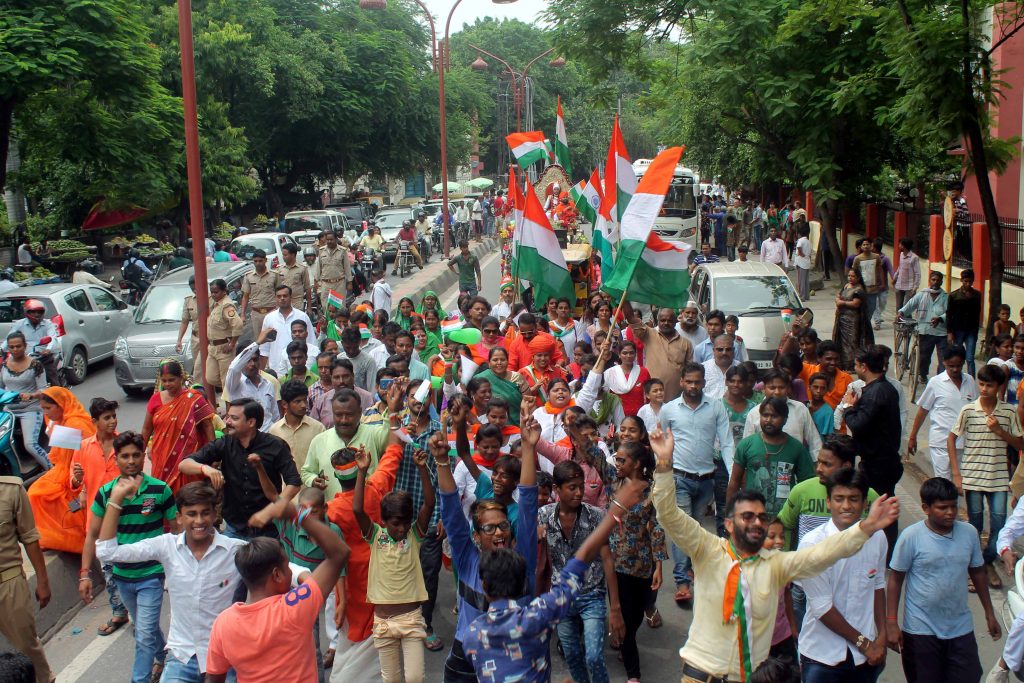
36	328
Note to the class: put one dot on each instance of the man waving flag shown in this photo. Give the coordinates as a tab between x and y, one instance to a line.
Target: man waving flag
653	270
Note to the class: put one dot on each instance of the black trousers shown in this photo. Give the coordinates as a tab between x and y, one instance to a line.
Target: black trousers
928	659
883	475
633	593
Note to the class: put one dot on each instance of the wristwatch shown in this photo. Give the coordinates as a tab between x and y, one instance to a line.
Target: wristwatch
862	642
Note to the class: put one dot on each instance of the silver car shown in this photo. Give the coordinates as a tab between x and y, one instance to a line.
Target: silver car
89	319
152	334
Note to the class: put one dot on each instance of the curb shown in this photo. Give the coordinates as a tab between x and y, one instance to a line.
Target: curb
437	276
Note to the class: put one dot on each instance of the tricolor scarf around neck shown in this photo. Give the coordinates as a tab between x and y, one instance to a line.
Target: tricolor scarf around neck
737	607
557	331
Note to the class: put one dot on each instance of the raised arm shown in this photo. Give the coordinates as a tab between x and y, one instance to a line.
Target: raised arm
459	410
336	551
529	432
363	519
683	529
268	486
426	510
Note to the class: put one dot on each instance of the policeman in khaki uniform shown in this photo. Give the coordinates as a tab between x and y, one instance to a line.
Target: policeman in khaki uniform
258	291
296	276
17	616
223	328
190	316
335	270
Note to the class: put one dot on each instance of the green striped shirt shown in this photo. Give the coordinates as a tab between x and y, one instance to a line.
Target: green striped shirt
142	517
301	549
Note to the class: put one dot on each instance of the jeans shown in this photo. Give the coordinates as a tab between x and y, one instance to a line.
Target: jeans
929	659
968	340
143	600
457	667
799	606
430	562
847	672
692	497
246	533
902	297
181	672
721	489
585	659
872	302
117	608
758	235
468	290
880	302
930	343
30	423
996	517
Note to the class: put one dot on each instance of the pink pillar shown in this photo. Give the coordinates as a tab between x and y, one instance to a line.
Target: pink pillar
809	205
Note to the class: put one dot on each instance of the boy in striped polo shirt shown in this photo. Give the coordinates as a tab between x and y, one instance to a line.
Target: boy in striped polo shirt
141	584
987	425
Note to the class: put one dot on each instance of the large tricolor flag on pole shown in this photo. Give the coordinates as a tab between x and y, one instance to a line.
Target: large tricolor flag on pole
540	258
528	148
562	142
587	194
652	270
619	180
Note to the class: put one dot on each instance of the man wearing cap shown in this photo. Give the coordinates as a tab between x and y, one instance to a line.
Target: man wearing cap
689	327
258	289
503	309
223	328
335	269
190	316
36	328
296	276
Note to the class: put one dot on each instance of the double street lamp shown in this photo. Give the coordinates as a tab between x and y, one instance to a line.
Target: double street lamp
518	77
441	61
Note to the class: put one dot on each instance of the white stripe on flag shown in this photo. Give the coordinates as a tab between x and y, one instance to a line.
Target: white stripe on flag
643	209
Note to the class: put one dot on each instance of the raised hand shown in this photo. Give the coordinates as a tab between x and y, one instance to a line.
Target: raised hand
529	430
662	443
254	460
362	459
420	457
438	445
884	511
125	488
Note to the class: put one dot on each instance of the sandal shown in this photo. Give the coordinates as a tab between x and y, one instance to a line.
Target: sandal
654	620
433	643
111	626
683	596
993	576
970	586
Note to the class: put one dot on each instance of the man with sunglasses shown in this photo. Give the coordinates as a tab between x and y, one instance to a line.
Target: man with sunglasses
724	350
738	579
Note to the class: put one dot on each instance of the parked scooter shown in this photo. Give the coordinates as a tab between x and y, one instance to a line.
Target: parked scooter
16	460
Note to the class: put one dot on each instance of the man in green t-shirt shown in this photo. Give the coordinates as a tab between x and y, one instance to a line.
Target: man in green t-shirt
141	584
468	268
770	462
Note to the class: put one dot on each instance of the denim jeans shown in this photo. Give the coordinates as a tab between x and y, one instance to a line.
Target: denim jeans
880	302
143	600
996	517
176	671
585	659
847	672
969	340
430	562
30	423
799	606
692	497
872	302
117	608
758	235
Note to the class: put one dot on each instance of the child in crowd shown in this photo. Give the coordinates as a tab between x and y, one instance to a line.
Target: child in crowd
396	588
986	425
1003	324
1002	349
545	489
654	392
92	466
582	629
732	324
783	638
821	412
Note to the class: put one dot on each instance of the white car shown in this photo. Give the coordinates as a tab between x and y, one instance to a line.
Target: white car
244	246
754	292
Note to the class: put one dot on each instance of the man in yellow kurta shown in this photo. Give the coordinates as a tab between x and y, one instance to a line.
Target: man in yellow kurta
734	576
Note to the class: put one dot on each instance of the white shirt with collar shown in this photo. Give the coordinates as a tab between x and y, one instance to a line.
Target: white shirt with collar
849	586
943	401
799	425
714	378
774	251
282	324
238	386
199	589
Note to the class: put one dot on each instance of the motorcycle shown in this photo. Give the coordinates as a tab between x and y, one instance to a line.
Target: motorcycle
403	259
132	290
369	261
15	459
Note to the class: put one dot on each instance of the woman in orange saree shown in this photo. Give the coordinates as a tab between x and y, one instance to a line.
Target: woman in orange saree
60	520
179	420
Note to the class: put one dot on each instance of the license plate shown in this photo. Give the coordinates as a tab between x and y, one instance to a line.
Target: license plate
763	364
155	363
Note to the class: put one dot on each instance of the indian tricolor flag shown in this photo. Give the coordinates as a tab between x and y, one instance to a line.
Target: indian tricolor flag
619	180
518	201
452	324
540	258
587	196
528	148
562	142
652	270
335	299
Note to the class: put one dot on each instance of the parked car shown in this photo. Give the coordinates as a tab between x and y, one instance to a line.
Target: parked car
320	219
152	333
89	319
244	246
756	293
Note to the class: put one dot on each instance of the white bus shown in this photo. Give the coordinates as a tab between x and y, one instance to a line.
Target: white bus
679	220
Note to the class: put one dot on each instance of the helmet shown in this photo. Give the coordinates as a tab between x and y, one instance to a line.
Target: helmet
309	251
182	252
34	305
7	274
134	253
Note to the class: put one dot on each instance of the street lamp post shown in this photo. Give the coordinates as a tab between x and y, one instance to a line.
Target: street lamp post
518	78
440	57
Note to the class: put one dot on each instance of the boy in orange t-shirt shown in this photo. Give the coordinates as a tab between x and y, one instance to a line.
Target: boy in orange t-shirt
828	357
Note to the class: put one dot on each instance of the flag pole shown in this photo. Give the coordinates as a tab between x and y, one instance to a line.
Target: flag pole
618	310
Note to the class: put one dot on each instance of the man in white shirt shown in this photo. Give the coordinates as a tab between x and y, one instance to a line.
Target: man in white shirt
724	351
299	331
689	326
280	321
802	261
944	396
478	218
243	380
843	634
773	250
380	295
799	424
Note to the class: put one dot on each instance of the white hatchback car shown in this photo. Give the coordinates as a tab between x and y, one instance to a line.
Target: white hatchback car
244	246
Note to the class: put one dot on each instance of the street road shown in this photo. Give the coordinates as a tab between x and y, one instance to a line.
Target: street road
78	654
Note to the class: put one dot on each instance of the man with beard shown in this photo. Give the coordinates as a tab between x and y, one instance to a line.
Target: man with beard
689	327
738	579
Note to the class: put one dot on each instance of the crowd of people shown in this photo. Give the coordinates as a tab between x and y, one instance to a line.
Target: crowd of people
554	463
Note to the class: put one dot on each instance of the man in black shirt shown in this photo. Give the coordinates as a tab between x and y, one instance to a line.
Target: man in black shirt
963	317
247	512
874	419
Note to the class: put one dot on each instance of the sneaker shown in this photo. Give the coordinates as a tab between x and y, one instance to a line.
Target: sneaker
998	675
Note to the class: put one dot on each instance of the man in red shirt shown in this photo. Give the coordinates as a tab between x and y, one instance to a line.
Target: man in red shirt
408	234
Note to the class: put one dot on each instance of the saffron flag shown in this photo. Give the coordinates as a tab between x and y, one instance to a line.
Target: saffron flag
562	142
528	148
540	258
653	270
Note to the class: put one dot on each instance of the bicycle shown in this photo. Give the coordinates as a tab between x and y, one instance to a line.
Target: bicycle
905	353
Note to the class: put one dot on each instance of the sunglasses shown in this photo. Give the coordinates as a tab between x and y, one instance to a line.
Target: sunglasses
490	330
749	517
490	529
